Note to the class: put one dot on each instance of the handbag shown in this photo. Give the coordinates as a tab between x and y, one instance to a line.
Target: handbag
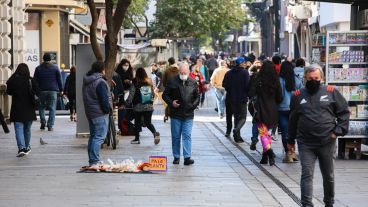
34	97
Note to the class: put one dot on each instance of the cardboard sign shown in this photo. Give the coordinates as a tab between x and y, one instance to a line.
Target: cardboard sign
158	163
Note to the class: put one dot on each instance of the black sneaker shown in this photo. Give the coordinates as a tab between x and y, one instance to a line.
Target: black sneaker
42	127
135	141
157	137
239	140
21	153
28	150
188	161
176	161
253	144
50	129
227	135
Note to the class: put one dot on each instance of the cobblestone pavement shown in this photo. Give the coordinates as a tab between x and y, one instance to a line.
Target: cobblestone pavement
224	173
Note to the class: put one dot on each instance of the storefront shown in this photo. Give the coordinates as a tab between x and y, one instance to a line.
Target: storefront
47	30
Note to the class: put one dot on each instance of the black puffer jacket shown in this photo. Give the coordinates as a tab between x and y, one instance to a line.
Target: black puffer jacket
187	95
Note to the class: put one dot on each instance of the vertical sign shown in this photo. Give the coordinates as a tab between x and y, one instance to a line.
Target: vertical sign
32	54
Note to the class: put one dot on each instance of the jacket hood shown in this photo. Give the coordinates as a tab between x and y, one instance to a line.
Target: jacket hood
88	79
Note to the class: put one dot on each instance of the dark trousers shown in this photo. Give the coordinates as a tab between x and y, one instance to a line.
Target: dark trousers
283	125
72	107
240	116
308	157
229	117
146	116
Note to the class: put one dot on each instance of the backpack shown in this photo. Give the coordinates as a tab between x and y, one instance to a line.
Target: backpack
146	94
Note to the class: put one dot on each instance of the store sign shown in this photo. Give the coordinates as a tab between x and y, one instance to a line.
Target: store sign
158	163
32	53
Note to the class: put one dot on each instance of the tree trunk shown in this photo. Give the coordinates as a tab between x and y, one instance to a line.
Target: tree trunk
113	24
93	30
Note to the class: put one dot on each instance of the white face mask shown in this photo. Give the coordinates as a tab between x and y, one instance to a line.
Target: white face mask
125	68
183	77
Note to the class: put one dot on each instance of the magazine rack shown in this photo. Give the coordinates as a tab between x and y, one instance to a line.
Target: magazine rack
347	70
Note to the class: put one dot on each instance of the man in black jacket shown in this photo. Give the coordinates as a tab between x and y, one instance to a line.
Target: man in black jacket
236	85
318	114
181	95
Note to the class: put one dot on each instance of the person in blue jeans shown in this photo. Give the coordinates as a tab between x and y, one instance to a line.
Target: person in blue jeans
22	89
48	77
182	96
97	104
289	83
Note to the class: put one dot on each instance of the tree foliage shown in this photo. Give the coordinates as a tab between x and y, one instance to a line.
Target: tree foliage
136	14
193	18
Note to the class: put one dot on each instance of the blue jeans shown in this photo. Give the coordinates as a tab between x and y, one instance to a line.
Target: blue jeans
220	98
48	101
254	131
23	134
98	128
284	124
181	129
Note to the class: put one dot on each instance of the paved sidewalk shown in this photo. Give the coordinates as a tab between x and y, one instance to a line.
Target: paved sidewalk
47	177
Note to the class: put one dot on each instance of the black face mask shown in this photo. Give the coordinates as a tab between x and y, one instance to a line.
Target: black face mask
313	86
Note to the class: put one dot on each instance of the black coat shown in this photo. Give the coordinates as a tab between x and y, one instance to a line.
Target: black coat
266	104
70	87
22	107
186	94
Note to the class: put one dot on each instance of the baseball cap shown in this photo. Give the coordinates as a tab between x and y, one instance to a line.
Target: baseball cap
239	60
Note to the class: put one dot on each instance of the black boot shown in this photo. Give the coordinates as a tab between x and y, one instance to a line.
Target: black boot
271	157
264	159
253	145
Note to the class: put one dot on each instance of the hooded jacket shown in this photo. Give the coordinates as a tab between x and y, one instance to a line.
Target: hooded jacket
236	83
96	96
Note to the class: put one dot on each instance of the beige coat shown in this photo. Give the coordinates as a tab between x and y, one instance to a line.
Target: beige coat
218	76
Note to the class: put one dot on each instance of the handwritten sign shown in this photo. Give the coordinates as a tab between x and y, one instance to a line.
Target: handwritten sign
158	163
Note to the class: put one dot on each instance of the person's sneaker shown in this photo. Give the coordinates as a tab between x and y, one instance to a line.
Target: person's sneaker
50	129
227	134
27	151
274	137
42	127
221	116
188	161
21	153
288	158
135	141
157	137
253	145
239	140
216	109
176	161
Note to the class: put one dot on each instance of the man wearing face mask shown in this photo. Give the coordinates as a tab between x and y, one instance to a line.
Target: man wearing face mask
318	114
181	95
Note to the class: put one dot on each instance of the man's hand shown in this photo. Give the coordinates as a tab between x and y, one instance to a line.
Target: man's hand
156	90
333	136
291	147
175	104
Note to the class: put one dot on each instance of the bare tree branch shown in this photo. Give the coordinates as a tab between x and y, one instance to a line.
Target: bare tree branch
93	30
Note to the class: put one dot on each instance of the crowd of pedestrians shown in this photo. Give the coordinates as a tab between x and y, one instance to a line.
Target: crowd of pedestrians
278	93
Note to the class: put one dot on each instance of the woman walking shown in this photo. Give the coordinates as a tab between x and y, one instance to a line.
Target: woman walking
143	105
269	95
289	83
23	89
198	77
69	91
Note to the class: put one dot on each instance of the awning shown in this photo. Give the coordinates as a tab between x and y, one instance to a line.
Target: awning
82	29
65	3
134	46
249	39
